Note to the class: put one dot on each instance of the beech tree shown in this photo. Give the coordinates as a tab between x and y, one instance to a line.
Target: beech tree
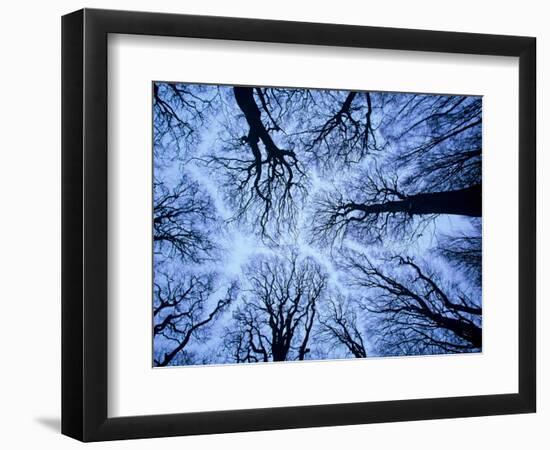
264	179
431	167
276	315
413	311
438	140
375	207
182	314
179	110
341	327
463	252
339	128
182	219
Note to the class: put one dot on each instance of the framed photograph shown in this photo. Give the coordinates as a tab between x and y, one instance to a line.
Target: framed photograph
273	224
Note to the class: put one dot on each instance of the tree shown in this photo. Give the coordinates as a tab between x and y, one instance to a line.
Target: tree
276	315
375	206
338	128
182	315
438	138
179	111
431	167
340	327
412	310
265	178
463	251
182	217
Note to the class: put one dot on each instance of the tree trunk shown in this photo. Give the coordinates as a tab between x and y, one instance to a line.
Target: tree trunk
467	331
245	100
464	202
279	353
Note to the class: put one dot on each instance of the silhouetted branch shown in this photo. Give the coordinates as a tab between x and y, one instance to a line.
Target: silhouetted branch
277	314
181	313
340	327
180	220
463	252
414	313
265	182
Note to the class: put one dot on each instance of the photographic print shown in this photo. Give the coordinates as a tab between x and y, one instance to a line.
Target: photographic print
294	224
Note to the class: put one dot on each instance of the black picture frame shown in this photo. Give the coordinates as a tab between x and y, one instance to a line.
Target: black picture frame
84	224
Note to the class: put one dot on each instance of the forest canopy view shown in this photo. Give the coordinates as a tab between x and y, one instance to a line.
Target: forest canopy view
306	224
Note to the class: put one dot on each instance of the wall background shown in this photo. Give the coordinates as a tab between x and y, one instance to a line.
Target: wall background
30	225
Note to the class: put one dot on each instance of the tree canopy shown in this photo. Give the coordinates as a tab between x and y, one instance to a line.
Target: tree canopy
293	224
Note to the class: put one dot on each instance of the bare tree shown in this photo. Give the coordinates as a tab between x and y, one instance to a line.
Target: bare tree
276	316
463	251
179	110
263	178
181	221
340	327
412	310
182	314
339	129
438	137
374	206
431	166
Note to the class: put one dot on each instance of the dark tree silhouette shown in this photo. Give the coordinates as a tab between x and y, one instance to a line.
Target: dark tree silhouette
265	178
464	252
431	166
340	327
338	127
437	138
276	316
181	221
181	315
375	206
412	310
178	112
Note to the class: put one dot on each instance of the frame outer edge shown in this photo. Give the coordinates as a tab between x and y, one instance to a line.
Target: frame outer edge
528	224
72	370
95	227
84	225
